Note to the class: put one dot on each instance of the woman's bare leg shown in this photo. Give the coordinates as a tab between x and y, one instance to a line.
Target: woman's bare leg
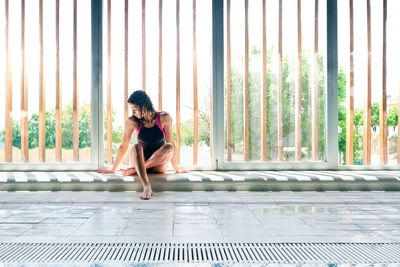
158	161
138	162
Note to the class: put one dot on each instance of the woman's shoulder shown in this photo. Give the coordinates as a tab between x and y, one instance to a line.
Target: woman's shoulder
164	116
131	123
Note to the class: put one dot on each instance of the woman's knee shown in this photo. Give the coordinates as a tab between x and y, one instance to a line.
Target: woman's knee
168	147
137	149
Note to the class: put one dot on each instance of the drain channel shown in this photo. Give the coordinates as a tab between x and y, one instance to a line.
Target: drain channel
200	253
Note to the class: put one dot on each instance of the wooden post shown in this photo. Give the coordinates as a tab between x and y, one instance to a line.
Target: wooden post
8	95
126	72
350	96
279	101
195	95
178	70
160	35
315	95
367	101
297	130
144	45
109	104
58	88
383	109
228	78
75	90
211	102
42	94
24	92
264	88
246	81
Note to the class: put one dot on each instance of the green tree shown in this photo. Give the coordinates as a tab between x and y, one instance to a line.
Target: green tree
392	119
16	135
50	126
237	98
358	121
84	126
117	131
50	130
342	112
374	116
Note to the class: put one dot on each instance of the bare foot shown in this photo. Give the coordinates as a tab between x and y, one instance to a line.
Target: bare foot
129	171
147	193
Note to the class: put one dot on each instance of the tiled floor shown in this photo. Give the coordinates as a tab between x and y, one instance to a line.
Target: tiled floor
200	217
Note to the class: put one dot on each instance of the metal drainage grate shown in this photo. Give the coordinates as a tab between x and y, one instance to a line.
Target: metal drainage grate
200	252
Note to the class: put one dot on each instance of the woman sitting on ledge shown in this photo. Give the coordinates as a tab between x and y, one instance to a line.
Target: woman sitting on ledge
155	146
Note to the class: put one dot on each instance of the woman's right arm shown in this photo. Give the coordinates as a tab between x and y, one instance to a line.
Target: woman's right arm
128	130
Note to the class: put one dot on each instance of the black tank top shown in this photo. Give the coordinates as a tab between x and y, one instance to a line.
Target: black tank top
151	139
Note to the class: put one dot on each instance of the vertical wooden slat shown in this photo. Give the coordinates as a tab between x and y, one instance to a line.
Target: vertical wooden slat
126	85
178	70
367	101
315	95
75	90
109	118
264	88
228	78
398	130
398	127
350	95
160	55
195	95
58	88
211	104
297	130
8	95
143	44
246	81
382	112
126	79
42	98
24	92
279	101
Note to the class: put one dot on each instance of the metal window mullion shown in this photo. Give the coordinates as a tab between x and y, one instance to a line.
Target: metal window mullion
75	86
97	85
331	114
218	81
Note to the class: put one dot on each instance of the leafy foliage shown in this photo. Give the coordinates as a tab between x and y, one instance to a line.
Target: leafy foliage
392	120
288	105
50	125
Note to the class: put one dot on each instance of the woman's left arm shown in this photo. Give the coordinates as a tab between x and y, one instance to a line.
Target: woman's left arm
169	138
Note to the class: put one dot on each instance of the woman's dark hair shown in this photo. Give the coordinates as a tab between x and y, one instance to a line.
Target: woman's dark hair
141	99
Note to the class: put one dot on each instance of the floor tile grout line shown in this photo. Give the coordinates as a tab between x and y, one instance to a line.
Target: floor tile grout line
216	222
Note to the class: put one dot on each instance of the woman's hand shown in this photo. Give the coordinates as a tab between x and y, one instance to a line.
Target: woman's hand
181	170
106	171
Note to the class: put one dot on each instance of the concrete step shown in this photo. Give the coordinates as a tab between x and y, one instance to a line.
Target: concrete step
205	181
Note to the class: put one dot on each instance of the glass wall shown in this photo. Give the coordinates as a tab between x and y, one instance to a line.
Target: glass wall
164	48
45	81
275	80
